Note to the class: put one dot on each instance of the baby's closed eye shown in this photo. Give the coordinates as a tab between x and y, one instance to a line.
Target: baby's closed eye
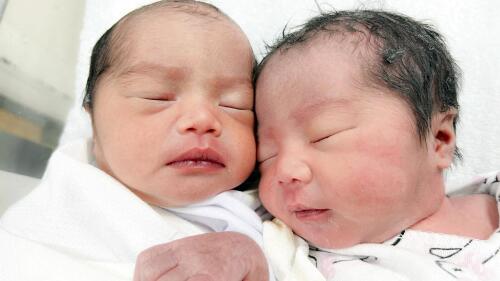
327	136
159	97
237	99
236	106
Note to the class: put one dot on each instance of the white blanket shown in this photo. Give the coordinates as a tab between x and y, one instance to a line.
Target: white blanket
81	224
410	256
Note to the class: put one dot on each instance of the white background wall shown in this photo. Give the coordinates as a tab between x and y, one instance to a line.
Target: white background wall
38	53
472	29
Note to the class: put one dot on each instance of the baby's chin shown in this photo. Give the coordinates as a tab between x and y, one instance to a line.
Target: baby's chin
328	239
325	243
192	194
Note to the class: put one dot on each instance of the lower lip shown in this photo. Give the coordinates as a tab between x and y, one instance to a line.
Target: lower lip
196	165
312	214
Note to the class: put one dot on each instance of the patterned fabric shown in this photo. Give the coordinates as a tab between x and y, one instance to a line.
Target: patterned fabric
411	255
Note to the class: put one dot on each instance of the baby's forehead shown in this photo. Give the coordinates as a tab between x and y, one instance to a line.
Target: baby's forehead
360	47
321	55
164	8
319	65
149	22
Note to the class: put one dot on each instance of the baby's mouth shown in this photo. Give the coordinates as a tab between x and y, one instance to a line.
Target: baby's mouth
310	213
195	163
306	213
198	158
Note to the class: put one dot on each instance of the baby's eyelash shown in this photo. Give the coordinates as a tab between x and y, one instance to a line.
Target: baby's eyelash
320	139
333	134
265	159
159	96
234	107
159	99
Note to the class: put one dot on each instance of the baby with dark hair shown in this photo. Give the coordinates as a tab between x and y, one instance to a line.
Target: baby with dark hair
170	97
357	113
171	102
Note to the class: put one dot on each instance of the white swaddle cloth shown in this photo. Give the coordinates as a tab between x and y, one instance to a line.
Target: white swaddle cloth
81	223
229	211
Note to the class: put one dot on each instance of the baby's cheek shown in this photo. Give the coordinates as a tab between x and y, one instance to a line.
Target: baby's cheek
367	181
381	150
272	197
266	194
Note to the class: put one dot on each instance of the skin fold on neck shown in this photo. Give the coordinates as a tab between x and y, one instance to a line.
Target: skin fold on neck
474	216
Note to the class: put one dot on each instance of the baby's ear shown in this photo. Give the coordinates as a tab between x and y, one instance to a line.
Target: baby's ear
99	158
86	106
444	137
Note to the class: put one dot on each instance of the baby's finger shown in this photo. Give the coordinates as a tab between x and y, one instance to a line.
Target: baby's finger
175	274
201	277
153	263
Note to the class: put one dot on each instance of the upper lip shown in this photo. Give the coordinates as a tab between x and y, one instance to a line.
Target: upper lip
199	154
299	207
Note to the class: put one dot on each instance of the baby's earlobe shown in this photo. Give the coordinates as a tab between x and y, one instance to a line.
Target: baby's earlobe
444	138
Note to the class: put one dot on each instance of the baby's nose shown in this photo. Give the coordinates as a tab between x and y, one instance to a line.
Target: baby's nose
200	120
292	172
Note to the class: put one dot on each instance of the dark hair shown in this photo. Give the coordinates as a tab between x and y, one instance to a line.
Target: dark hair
104	51
407	56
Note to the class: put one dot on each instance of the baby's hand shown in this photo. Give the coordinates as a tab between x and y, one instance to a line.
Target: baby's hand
227	256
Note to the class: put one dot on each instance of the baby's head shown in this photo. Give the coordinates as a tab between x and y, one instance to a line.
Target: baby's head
171	101
356	114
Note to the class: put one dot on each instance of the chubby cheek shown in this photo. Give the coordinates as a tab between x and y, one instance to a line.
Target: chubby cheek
243	150
371	187
126	143
270	195
368	176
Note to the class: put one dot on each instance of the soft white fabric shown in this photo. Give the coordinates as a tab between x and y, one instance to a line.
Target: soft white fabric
25	260
410	256
80	223
228	211
288	254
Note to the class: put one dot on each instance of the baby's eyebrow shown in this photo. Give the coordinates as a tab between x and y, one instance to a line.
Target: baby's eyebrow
318	104
222	82
154	69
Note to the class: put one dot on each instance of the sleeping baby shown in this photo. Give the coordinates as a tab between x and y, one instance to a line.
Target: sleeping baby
170	97
357	113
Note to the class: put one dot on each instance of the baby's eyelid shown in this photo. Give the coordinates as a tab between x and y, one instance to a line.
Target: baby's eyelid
162	97
236	100
322	138
332	134
235	107
263	159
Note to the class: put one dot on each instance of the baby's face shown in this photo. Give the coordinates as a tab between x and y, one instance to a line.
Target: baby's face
341	163
173	120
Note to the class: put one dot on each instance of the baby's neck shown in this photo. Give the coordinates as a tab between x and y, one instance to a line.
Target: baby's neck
474	216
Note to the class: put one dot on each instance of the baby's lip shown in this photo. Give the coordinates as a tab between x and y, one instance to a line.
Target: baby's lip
298	208
304	212
205	155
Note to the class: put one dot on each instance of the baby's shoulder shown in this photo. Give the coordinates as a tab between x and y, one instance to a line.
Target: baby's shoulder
477	204
480	211
473	215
